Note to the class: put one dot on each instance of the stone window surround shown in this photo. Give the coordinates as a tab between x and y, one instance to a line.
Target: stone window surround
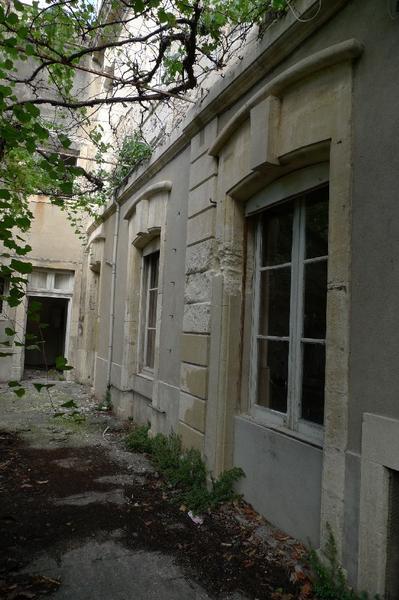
380	453
142	235
268	163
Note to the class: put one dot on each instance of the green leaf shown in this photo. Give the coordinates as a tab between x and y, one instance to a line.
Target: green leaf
5	90
66	187
9	331
65	141
69	404
61	364
12	19
5	194
40	386
40	131
32	109
21	114
21	267
13	384
4	354
20	392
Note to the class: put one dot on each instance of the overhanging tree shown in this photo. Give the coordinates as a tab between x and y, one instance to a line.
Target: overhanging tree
55	74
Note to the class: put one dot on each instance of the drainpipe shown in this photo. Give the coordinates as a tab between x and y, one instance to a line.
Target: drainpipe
113	285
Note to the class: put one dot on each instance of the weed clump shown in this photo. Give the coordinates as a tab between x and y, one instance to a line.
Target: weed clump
329	579
138	440
185	470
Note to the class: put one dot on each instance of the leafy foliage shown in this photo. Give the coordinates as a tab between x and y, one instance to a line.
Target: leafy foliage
62	62
43	111
133	152
185	470
329	582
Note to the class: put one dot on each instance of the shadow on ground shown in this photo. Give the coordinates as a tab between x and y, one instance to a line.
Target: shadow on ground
82	519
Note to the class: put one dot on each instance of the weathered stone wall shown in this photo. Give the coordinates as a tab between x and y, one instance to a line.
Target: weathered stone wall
292	115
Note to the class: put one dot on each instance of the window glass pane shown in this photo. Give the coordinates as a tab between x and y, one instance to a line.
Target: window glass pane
152	308
150	351
315	300
38	280
63	281
274	308
272	374
277	235
154	267
313	376
317	223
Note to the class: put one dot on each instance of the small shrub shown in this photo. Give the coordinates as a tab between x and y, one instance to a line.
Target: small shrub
138	440
133	152
329	580
184	470
166	452
222	487
106	404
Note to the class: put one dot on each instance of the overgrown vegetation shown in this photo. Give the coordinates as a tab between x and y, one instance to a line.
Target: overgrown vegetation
106	403
185	470
330	582
133	152
76	62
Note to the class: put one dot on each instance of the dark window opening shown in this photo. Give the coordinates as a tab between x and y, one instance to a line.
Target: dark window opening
392	571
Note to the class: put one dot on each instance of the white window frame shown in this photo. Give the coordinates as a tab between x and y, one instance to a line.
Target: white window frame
151	248
50	282
291	421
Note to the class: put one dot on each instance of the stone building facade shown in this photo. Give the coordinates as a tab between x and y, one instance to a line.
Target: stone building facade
242	287
56	257
241	290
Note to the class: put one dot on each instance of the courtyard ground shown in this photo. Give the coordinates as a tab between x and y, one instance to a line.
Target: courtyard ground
83	519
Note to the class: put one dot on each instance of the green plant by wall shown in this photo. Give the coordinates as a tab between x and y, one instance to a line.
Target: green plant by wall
329	579
106	404
134	151
185	470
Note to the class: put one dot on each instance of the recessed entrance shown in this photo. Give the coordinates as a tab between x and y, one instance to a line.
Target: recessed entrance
53	312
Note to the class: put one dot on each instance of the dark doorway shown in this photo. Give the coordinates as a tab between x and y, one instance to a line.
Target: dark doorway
392	572
53	313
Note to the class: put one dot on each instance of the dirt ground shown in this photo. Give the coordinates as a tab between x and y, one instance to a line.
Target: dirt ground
81	518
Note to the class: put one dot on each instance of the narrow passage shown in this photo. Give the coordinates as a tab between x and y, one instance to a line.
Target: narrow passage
82	519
